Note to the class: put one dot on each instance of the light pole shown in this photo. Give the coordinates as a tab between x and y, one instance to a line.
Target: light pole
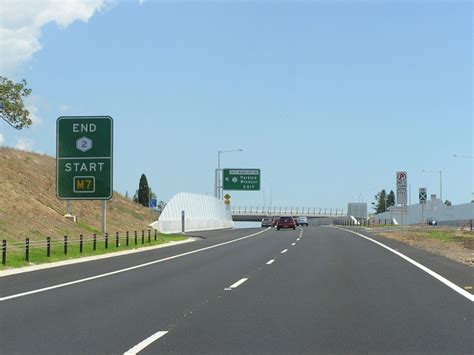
218	176
440	172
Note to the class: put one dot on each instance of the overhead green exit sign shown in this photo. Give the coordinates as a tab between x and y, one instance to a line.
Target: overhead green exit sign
241	179
84	158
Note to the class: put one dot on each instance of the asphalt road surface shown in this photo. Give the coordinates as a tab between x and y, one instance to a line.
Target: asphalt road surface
313	290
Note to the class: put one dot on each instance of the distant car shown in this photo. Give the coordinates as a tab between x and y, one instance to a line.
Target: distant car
286	222
302	221
432	222
267	222
275	221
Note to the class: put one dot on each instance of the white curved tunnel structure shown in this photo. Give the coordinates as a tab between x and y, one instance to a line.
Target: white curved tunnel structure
201	212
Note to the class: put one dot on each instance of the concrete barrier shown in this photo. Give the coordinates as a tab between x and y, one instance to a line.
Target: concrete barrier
201	212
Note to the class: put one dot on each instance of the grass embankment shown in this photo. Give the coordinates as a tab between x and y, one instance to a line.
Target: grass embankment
452	243
16	256
30	209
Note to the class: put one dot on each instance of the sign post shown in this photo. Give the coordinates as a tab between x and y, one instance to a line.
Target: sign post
422	197
402	192
84	159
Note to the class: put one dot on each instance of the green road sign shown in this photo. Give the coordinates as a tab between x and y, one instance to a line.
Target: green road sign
241	179
84	158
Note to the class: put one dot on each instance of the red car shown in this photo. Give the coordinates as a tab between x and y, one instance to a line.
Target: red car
286	222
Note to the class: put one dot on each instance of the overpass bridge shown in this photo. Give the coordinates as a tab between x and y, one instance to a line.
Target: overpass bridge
256	213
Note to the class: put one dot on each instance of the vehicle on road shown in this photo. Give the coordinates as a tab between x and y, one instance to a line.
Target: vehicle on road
302	221
286	222
432	222
267	222
275	221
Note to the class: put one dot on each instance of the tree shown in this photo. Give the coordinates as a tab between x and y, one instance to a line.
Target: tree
391	199
12	107
380	204
161	206
448	203
143	194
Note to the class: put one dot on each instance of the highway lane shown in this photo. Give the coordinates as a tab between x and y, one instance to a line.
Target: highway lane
331	293
326	292
43	278
107	315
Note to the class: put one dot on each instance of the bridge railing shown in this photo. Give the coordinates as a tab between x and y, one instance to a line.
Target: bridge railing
287	210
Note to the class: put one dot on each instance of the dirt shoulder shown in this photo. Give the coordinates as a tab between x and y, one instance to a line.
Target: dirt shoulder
452	243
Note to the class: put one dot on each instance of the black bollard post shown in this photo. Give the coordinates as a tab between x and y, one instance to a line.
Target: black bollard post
106	240
116	239
136	238
4	252
27	249
94	242
65	244
48	247
143	236
156	233
149	236
81	241
126	238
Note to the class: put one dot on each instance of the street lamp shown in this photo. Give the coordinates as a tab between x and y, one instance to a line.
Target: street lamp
217	180
440	172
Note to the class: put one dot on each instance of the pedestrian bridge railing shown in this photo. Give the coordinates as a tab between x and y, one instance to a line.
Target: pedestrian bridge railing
285	210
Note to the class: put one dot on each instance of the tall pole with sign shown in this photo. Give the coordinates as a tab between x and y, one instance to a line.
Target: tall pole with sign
422	197
84	159
402	192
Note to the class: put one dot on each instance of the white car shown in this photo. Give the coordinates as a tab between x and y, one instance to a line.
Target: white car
302	221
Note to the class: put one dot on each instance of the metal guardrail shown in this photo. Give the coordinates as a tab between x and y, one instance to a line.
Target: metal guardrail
294	211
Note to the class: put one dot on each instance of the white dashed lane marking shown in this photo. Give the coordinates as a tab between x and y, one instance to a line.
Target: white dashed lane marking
236	284
142	345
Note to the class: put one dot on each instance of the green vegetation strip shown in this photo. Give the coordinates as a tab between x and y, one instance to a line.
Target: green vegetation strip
38	255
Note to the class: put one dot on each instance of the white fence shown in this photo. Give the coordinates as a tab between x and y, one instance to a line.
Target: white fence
201	212
434	209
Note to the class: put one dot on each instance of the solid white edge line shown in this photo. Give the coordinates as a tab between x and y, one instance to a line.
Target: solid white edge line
142	345
238	283
127	269
430	272
284	251
269	262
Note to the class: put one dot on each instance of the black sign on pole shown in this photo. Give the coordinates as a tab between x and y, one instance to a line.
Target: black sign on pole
422	195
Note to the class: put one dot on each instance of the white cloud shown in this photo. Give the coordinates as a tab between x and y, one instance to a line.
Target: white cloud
22	20
24	144
1	139
63	108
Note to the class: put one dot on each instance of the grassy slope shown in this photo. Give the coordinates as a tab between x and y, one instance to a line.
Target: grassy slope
29	207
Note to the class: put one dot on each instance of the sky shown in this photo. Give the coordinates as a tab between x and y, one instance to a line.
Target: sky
328	98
